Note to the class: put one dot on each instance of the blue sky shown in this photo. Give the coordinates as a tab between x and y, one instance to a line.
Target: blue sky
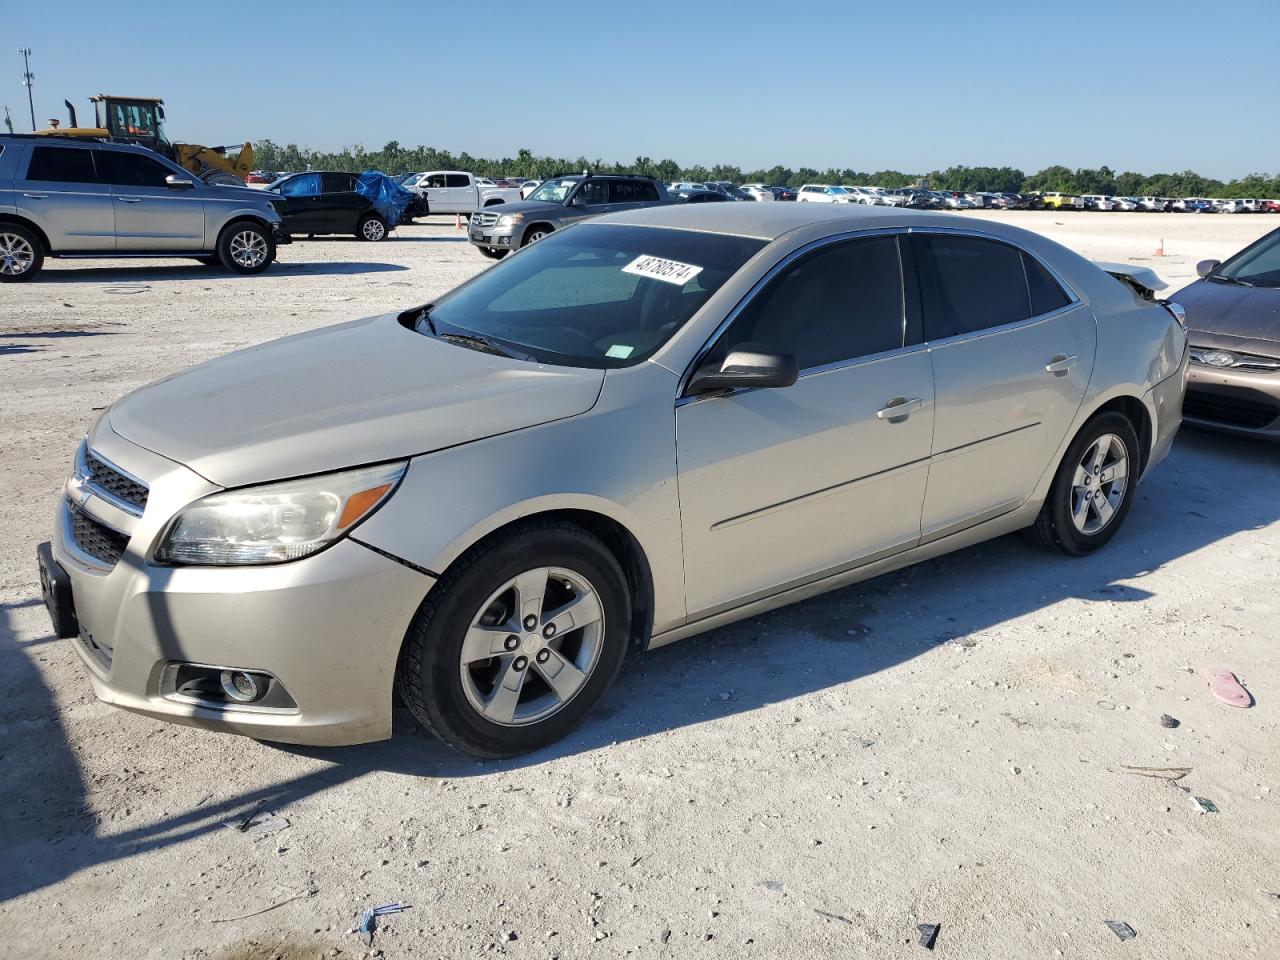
913	86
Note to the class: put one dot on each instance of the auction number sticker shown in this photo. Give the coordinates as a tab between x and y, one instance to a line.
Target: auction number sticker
668	271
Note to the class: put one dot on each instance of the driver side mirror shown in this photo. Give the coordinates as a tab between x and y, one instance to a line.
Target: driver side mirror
1206	267
175	182
747	366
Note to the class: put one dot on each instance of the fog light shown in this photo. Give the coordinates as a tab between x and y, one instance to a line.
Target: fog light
243	687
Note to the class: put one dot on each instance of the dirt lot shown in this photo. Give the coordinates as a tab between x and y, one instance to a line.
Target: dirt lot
946	745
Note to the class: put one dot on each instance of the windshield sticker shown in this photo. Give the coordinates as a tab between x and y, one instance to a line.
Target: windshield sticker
668	271
619	351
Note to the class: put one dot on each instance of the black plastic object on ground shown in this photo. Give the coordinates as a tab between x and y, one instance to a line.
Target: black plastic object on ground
928	934
1121	929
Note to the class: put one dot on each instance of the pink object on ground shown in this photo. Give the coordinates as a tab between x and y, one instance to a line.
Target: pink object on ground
1227	688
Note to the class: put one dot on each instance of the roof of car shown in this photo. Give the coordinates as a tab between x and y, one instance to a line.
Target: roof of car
768	221
66	140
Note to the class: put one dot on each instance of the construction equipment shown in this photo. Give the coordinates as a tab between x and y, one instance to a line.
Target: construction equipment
141	120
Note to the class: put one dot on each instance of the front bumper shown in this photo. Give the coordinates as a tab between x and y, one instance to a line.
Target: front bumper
279	235
1242	402
328	627
492	238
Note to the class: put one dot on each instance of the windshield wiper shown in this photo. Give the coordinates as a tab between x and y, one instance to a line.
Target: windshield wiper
483	344
425	317
1236	280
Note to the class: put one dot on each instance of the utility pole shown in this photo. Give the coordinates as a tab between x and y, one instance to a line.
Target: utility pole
27	78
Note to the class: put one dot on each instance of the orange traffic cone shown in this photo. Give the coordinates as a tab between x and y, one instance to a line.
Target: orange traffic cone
1160	249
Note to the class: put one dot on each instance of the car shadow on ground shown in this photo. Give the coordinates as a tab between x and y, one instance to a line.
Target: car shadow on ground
14	348
127	277
833	639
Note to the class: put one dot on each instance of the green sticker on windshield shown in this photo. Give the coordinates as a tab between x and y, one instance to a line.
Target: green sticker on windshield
619	351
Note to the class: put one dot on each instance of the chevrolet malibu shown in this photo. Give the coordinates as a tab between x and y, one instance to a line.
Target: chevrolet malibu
639	429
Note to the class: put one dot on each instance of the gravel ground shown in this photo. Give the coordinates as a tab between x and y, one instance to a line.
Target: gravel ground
951	744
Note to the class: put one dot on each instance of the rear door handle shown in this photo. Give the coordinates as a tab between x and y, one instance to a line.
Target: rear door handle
36	196
1060	364
129	199
899	408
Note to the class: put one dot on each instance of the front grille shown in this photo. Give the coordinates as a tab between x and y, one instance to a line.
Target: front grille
96	539
1229	409
114	482
481	219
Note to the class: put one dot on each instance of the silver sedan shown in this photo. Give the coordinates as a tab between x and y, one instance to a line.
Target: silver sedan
641	428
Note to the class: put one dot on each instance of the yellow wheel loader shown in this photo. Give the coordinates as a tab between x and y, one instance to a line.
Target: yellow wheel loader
141	120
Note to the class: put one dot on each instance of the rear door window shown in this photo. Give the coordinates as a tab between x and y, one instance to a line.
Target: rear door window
61	165
457	180
969	284
838	303
129	169
337	182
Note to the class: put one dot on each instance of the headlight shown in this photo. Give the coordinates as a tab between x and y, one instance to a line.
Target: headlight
277	521
510	219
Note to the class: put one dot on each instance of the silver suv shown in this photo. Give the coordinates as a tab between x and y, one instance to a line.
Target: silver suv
61	197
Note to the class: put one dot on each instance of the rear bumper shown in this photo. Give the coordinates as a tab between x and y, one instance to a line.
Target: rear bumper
1166	398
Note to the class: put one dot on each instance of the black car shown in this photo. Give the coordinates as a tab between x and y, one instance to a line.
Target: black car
320	202
699	196
783	193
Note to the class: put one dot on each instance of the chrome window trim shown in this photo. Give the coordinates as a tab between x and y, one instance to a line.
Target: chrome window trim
85	478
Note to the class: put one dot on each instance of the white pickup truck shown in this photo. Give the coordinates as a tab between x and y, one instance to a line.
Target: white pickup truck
451	191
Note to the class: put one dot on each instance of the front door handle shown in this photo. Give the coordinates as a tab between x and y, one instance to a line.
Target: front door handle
899	408
36	196
129	199
1060	365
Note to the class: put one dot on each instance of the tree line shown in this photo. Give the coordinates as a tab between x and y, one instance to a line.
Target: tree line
394	159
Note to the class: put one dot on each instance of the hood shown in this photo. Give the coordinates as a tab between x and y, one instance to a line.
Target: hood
526	206
1224	309
226	191
340	396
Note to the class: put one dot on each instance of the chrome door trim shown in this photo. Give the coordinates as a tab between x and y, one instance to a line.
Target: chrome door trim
1004	327
772	272
816	494
984	235
966	447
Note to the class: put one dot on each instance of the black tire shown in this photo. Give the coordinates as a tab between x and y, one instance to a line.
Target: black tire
493	254
236	242
1054	528
21	253
372	228
535	233
429	674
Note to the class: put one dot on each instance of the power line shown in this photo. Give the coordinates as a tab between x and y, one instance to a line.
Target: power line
27	79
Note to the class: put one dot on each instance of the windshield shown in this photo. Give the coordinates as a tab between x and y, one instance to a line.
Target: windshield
1258	264
554	191
593	295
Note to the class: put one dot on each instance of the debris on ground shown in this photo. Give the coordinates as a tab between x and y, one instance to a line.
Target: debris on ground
245	916
832	916
1227	688
1204	805
1159	773
259	821
773	886
1121	929
1168	721
369	919
928	934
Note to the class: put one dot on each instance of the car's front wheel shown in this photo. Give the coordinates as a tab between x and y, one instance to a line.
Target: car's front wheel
534	235
372	228
246	247
518	641
492	254
1093	488
21	253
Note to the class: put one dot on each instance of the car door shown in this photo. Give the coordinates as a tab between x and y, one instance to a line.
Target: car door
436	190
632	194
590	198
149	214
60	193
783	486
340	204
1012	351
298	202
462	193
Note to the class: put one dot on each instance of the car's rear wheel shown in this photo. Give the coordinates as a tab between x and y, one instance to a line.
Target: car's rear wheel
518	641
21	253
1093	488
372	228
246	247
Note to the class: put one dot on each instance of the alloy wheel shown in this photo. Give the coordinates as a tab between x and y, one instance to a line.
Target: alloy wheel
1099	485
374	230
532	646
16	255
249	248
